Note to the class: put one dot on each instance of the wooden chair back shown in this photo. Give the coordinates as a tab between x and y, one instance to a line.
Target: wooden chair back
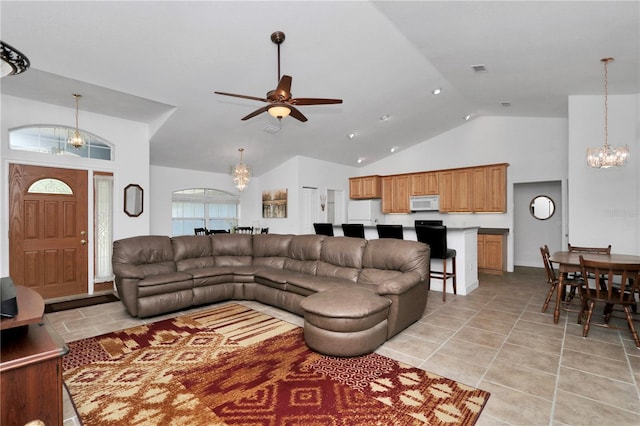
593	250
548	266
610	282
200	231
219	231
244	229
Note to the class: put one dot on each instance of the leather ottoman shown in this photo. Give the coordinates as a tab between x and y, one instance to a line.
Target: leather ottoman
345	322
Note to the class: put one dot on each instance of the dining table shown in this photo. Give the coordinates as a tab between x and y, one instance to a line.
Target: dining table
569	261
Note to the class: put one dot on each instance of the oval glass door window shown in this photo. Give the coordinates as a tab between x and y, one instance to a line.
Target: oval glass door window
542	207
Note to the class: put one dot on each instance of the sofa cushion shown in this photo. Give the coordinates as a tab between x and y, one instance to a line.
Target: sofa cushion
192	251
304	252
232	249
164	283
341	257
306	284
270	249
397	255
142	250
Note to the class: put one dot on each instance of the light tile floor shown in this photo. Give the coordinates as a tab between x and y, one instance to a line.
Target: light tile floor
495	338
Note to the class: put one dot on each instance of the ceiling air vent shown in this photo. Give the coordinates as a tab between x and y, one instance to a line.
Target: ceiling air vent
479	68
271	129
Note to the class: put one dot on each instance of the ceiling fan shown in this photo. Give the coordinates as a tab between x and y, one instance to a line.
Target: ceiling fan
281	103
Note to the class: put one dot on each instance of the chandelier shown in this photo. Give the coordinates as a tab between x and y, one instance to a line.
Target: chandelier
13	61
607	156
75	138
240	174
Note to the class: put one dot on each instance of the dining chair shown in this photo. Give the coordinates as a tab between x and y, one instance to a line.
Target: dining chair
552	279
390	231
264	231
200	231
323	229
354	230
594	250
436	238
611	284
244	229
218	231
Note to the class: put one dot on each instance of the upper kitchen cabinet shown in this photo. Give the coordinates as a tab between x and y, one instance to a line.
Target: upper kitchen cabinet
489	189
481	189
365	187
395	194
455	190
425	183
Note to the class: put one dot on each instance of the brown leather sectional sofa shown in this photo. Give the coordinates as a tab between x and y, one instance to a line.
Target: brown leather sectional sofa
360	286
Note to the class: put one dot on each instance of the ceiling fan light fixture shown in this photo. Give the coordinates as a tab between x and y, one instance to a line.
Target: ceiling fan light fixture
279	111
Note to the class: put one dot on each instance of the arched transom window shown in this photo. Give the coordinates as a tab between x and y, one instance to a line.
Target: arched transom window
53	140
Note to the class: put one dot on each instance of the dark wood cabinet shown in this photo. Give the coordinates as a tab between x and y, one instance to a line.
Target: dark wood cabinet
31	371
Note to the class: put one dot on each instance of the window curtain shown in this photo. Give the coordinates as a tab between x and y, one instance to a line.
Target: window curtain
103	188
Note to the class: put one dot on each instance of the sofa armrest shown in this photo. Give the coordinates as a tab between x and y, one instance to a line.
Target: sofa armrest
400	284
125	270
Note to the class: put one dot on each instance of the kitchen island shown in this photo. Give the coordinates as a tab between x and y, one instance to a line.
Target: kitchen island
463	240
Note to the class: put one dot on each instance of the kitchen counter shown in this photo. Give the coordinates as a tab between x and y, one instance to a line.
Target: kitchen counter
493	231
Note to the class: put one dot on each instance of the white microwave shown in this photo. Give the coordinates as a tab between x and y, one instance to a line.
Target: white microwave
424	203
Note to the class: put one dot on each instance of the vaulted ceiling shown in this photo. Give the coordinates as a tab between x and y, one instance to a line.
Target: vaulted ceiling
160	62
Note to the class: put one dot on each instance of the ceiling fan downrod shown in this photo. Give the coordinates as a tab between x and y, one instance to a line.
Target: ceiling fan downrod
278	38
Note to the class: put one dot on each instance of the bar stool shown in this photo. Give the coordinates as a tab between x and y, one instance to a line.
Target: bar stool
436	238
390	231
354	230
323	229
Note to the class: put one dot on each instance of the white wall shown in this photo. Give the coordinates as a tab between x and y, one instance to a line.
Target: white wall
131	161
604	203
165	180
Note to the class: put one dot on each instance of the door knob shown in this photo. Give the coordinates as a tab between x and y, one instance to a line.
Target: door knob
83	242
83	233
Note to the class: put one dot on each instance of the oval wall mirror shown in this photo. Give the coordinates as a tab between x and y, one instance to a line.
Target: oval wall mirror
133	200
542	207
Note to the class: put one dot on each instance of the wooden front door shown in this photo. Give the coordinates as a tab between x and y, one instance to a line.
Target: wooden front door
48	229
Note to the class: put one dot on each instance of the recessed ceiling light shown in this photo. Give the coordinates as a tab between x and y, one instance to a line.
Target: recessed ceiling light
351	135
436	91
394	149
360	160
467	117
385	117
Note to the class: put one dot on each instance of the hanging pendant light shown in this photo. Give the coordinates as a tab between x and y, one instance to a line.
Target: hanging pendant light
607	156
240	174
13	61
75	138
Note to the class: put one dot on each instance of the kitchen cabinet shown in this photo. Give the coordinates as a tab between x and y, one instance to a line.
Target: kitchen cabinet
365	187
425	183
454	187
491	253
395	194
489	189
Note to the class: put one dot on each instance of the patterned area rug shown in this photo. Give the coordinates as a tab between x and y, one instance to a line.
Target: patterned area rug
231	365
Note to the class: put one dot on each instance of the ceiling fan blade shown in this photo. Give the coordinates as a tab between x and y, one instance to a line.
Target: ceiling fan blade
253	98
295	113
314	101
284	85
256	112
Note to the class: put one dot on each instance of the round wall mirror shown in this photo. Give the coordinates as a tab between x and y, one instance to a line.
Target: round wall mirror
542	207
